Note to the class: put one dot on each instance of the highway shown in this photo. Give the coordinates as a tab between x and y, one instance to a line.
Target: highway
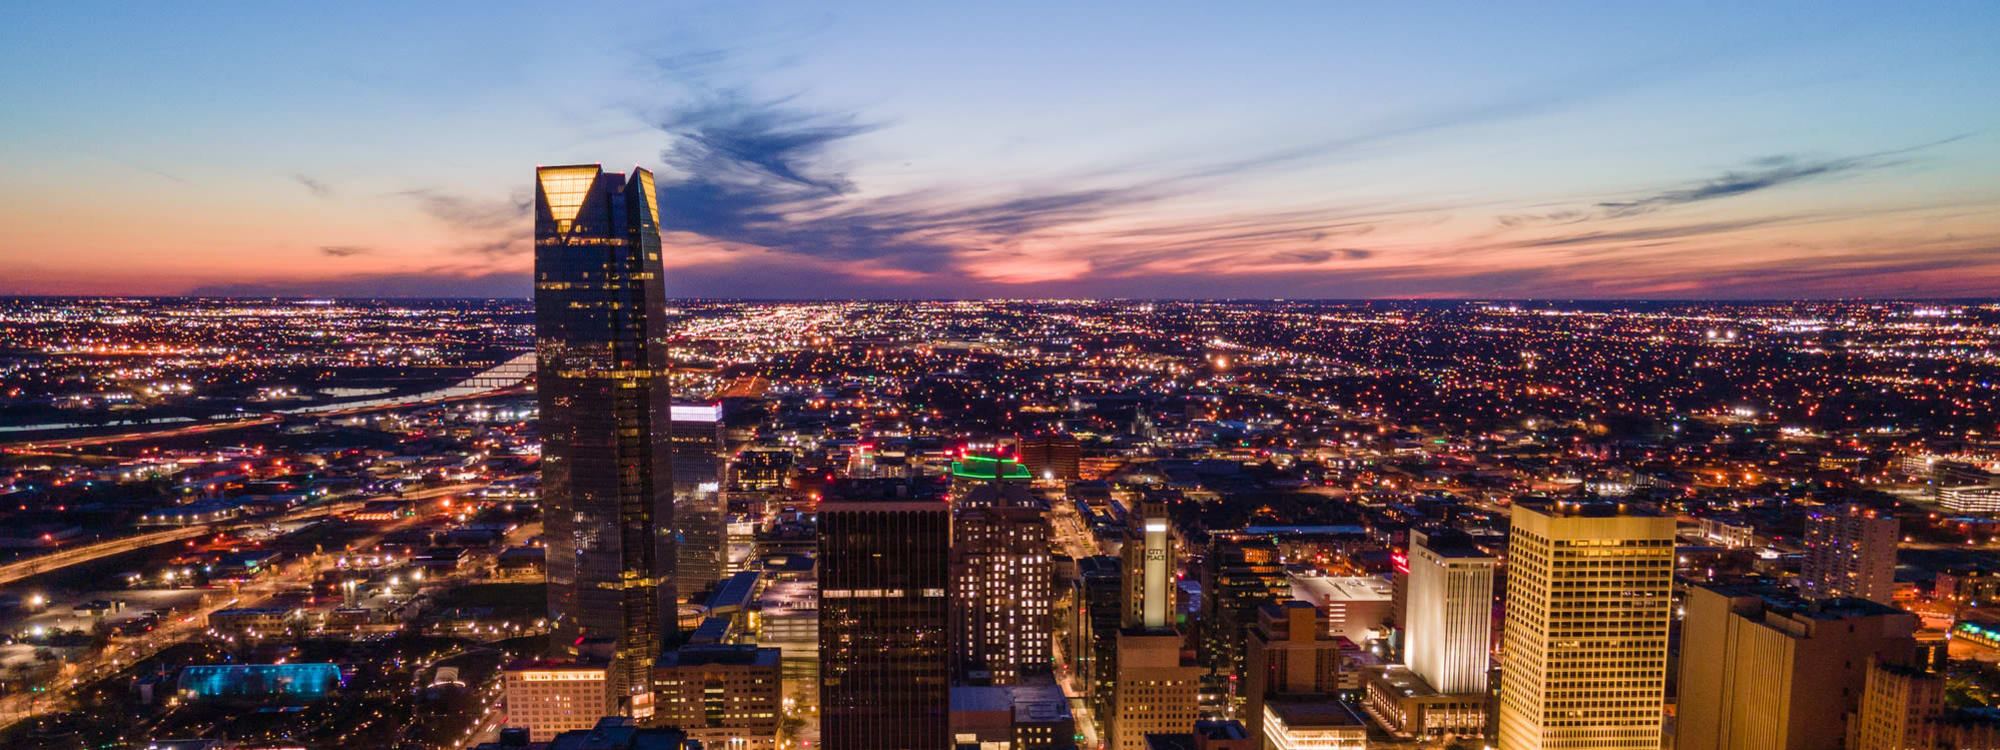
46	446
19	569
60	559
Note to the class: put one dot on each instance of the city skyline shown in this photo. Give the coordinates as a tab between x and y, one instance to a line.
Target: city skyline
1056	525
1828	150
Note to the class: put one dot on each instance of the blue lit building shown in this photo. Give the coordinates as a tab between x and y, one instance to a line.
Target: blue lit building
302	682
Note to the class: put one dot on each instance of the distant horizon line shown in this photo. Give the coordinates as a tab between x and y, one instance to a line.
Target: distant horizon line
1347	300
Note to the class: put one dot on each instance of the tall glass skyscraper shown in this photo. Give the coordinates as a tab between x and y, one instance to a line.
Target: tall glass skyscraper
884	619
700	510
607	484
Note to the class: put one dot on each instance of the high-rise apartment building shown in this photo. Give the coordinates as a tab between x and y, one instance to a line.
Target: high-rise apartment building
1762	669
551	697
602	367
1584	649
700	510
884	624
1001	583
1448	637
1158	686
1291	657
1850	551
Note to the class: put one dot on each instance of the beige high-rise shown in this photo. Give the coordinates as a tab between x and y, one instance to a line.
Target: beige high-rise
1450	620
1157	687
1761	669
1589	597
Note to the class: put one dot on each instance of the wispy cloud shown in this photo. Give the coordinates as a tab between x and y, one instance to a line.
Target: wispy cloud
345	251
1763	174
461	212
317	188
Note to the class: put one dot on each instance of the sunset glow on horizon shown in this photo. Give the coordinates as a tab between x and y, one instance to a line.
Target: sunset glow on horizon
1286	150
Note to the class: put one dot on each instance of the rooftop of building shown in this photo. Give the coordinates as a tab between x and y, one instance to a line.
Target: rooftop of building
735	591
783	596
1451	543
1405	681
711	630
1205	729
1778	598
995	494
1105	565
851	491
619	733
1585	508
1317	588
1316	714
725	654
989	468
1033	702
544	665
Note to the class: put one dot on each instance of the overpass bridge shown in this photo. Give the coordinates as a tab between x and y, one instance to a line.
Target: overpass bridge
507	375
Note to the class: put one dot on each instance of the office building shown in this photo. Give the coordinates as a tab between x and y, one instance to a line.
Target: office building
760	470
1584	647
551	697
1208	734
1158	685
1002	582
619	733
788	620
1448	636
1156	691
1850	551
1358	608
700	509
884	624
1052	456
1761	668
1149	561
1033	714
726	696
602	370
1291	658
1241	575
1409	708
1099	598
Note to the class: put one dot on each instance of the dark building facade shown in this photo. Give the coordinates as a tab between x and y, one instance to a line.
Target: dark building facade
1052	456
700	516
1243	574
884	622
607	486
1100	611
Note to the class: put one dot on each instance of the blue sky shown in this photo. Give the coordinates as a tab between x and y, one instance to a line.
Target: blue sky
1019	149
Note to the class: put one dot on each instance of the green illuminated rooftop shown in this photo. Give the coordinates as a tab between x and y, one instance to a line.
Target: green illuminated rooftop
989	467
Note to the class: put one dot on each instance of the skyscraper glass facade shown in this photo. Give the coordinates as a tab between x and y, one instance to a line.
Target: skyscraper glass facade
602	368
